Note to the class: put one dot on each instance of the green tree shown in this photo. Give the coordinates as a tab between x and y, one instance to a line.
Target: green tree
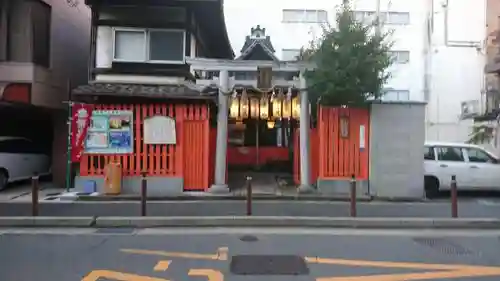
351	61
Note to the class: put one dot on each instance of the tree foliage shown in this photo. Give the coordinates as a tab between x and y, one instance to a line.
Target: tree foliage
351	62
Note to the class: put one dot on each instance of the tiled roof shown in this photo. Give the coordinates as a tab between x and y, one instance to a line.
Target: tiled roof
186	90
250	44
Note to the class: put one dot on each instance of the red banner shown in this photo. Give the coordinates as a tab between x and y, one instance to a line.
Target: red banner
81	115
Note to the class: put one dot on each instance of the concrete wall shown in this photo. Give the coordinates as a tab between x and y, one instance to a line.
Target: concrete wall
397	136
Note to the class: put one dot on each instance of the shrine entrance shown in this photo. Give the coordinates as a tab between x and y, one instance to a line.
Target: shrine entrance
260	139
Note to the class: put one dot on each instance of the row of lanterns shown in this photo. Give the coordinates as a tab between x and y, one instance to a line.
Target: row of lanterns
271	108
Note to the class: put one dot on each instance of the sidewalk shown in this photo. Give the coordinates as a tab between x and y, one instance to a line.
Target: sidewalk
21	192
373	209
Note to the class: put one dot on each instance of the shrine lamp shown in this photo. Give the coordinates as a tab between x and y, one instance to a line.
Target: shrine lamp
234	108
264	107
277	105
244	105
254	108
296	108
287	105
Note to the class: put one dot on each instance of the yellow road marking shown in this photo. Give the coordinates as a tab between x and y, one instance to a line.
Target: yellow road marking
445	270
96	275
470	272
162	266
212	275
385	264
220	255
439	271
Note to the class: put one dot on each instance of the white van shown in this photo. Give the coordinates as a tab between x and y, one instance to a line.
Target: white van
474	167
20	158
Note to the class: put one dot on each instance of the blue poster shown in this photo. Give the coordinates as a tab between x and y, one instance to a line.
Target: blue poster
110	132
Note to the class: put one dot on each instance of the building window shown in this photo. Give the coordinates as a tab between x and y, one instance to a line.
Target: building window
41	17
290	54
243	75
364	17
139	45
305	16
396	95
393	18
398	18
400	57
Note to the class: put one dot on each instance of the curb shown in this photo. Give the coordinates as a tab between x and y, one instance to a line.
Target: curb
257	197
47	221
254	221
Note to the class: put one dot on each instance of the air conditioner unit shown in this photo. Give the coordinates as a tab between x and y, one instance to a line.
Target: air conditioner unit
469	109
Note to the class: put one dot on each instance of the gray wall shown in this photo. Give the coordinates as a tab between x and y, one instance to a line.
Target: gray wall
397	136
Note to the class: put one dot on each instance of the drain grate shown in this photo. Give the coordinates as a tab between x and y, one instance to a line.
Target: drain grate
118	230
249	238
268	265
444	246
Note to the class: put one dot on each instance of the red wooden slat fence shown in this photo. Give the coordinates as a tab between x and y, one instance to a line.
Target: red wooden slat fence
189	158
339	156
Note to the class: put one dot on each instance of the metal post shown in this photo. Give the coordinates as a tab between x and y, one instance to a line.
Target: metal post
34	194
454	195
353	197
249	196
68	156
144	194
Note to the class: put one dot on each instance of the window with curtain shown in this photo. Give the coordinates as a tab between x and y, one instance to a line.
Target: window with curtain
141	45
130	45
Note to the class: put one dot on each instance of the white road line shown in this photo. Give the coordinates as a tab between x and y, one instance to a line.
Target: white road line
258	231
308	231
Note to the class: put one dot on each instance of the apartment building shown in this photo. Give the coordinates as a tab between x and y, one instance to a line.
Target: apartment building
438	49
493	56
305	22
457	32
44	46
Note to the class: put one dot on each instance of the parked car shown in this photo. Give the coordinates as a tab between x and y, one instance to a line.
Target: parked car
20	158
474	167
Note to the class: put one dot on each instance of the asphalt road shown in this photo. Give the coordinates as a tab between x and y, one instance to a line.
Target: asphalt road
222	254
467	209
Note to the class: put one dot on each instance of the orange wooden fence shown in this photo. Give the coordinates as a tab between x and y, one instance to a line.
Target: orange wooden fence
314	153
189	158
340	153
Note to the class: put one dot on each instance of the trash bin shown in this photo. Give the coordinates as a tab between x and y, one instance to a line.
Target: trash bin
113	178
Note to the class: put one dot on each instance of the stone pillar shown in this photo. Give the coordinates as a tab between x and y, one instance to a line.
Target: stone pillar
220	185
304	129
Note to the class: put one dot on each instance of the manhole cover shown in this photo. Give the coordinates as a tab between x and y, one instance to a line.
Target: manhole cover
268	265
248	238
115	230
444	246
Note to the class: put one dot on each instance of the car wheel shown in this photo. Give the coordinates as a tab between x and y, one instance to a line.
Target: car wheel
431	186
4	179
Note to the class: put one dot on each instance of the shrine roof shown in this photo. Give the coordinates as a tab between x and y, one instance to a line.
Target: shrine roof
186	90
